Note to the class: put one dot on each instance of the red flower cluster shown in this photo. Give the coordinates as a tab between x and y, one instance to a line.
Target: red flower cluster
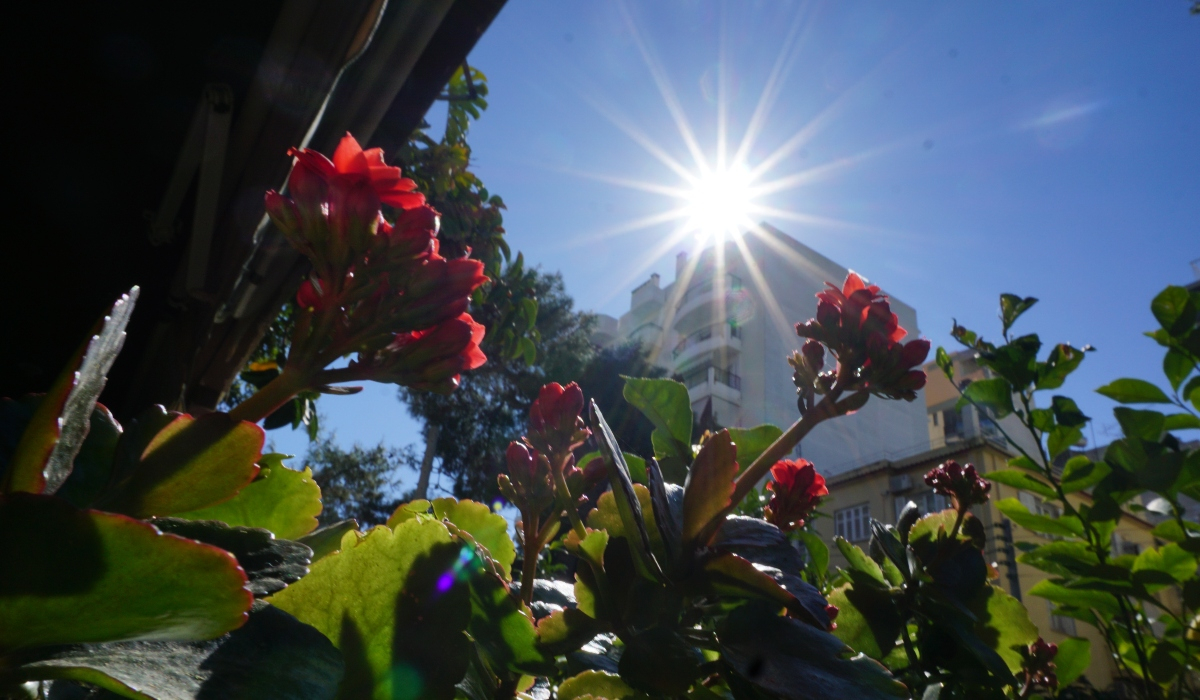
962	483
796	489
857	324
555	426
1039	665
528	484
377	288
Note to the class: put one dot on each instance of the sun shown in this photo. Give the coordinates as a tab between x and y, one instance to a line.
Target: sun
720	202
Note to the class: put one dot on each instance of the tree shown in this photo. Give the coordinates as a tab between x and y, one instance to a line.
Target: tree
475	423
602	382
359	483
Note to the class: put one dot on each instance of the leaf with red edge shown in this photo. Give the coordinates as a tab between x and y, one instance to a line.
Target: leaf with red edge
709	487
190	464
70	576
44	456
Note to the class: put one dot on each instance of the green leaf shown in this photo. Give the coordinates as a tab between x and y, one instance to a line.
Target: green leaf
708	489
1066	412
1181	421
628	505
1060	363
1016	360
995	394
859	561
1073	658
637	465
1147	425
818	551
190	464
752	442
269	563
396	603
730	575
1065	526
1133	391
1177	366
1025	463
1003	624
44	456
70	576
1076	597
867	620
1174	310
790	659
666	404
1011	308
564	631
598	685
327	540
1081	473
488	528
1170	559
1062	558
272	656
1191	391
1062	438
281	500
606	516
1021	480
944	362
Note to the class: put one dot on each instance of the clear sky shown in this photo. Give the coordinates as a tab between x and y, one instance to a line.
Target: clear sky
948	151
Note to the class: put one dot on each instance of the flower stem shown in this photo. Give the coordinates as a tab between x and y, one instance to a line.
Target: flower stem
750	476
564	501
529	566
266	400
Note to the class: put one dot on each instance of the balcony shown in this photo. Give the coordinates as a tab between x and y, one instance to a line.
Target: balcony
717	337
700	295
706	381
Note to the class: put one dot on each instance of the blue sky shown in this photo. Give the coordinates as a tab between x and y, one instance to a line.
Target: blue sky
951	152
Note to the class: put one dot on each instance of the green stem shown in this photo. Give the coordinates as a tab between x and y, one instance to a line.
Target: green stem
266	400
563	492
962	513
529	565
779	449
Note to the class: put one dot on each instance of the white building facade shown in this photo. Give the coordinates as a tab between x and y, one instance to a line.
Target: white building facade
725	327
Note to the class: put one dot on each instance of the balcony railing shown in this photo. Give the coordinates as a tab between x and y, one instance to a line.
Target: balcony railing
700	375
702	335
733	283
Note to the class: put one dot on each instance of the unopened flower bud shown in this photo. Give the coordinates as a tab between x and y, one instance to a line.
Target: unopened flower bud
555	425
961	483
814	355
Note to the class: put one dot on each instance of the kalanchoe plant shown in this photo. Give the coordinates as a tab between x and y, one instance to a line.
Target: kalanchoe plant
378	289
1038	672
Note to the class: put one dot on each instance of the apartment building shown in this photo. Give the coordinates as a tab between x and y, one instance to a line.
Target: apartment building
725	326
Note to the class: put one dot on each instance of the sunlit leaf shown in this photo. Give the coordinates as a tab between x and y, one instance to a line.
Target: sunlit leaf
1073	658
867	620
1011	308
327	540
859	561
1133	391
597	685
489	529
396	603
751	442
1016	511
995	394
282	500
1022	480
70	576
190	464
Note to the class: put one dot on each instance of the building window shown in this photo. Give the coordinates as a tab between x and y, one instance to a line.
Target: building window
1061	623
953	423
1122	546
928	502
853	523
